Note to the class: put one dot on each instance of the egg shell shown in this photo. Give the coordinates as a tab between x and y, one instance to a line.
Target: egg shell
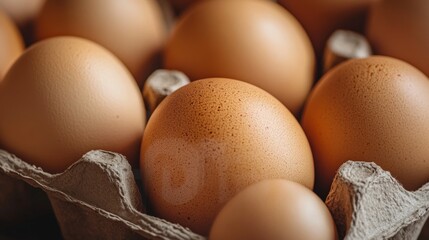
254	41
65	96
134	30
210	139
274	209
400	29
376	110
11	43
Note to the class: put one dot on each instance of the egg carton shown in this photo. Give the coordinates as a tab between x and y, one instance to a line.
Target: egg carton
98	198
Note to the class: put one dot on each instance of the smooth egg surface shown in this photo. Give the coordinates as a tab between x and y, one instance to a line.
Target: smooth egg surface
273	210
133	30
65	96
258	42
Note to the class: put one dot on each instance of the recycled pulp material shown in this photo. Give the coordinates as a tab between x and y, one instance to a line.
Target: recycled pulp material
160	84
97	198
368	203
343	45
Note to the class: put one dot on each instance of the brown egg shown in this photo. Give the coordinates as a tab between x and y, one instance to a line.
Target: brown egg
133	30
11	44
254	41
374	109
66	96
274	209
400	29
320	18
22	11
210	139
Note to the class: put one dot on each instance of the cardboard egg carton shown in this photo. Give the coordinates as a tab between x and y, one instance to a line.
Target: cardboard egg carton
98	198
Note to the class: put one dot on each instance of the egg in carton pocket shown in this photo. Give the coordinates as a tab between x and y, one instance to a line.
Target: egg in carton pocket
97	197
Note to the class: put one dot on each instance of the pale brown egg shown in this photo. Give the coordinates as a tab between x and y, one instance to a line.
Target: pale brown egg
374	109
11	44
134	30
210	139
274	209
22	11
65	96
400	29
258	42
320	18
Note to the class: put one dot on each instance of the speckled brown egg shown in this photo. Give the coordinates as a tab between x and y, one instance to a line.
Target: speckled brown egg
133	30
210	139
374	109
400	29
258	42
11	44
65	96
274	210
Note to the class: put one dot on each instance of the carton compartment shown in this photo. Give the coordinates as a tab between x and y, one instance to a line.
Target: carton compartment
98	198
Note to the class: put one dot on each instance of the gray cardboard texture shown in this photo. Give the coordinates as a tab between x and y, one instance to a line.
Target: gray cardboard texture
368	203
97	198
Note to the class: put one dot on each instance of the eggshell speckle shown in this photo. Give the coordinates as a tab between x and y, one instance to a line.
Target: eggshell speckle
209	140
65	96
274	209
374	109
